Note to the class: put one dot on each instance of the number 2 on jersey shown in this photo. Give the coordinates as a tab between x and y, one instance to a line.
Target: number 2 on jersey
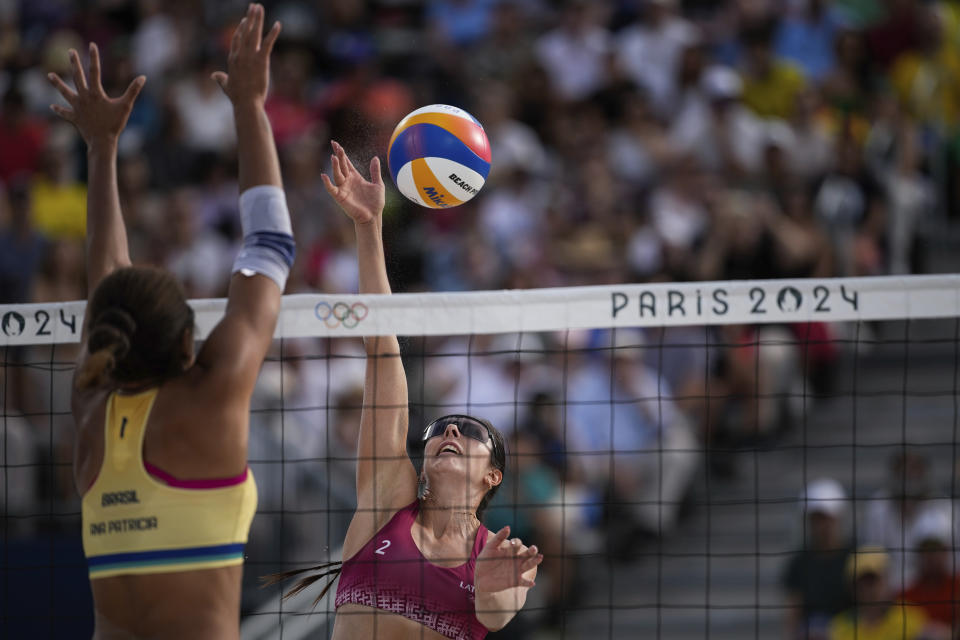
386	543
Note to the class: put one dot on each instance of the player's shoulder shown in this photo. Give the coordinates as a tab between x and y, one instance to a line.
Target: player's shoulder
205	389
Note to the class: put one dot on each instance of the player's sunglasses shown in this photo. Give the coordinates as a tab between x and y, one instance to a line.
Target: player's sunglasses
470	427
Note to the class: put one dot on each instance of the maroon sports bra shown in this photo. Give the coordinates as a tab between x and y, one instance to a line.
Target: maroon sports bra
391	574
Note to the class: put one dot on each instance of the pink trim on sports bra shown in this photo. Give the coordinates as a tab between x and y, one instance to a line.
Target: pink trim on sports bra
160	475
203	483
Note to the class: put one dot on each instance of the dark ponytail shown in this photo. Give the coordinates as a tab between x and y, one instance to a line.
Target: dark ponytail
109	341
331	569
138	318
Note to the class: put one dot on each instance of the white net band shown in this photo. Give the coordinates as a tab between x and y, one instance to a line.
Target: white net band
638	305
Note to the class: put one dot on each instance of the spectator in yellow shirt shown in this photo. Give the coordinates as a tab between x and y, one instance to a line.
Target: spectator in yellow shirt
58	199
770	86
927	81
875	615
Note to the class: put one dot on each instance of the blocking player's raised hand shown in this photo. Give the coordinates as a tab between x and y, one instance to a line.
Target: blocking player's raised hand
100	119
248	65
97	116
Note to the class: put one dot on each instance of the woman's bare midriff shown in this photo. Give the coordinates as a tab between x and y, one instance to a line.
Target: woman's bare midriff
186	605
358	621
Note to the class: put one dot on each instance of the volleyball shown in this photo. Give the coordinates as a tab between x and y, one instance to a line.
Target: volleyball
439	156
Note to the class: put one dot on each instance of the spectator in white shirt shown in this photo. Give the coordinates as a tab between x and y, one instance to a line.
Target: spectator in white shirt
714	126
576	55
649	52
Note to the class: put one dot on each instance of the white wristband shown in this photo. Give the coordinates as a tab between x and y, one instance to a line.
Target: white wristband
268	246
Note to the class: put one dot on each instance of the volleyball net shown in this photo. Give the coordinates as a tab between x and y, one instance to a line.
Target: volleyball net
672	448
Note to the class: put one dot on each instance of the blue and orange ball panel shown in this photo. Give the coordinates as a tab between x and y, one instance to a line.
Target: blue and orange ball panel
439	156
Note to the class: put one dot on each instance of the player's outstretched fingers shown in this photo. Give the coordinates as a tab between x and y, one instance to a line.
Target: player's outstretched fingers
346	165
63	112
236	39
530	560
332	189
267	47
526	565
256	29
220	78
79	79
130	95
527	582
500	537
240	35
247	24
375	176
95	68
338	175
68	94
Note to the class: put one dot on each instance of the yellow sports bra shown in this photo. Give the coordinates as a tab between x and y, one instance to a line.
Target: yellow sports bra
138	519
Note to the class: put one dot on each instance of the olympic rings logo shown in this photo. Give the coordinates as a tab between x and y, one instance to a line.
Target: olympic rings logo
341	314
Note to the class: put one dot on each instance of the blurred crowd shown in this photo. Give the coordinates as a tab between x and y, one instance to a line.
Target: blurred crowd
883	566
632	140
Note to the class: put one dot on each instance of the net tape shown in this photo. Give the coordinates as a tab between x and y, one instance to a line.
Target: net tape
633	305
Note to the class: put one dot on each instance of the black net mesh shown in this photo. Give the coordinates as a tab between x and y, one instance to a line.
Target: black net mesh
682	481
